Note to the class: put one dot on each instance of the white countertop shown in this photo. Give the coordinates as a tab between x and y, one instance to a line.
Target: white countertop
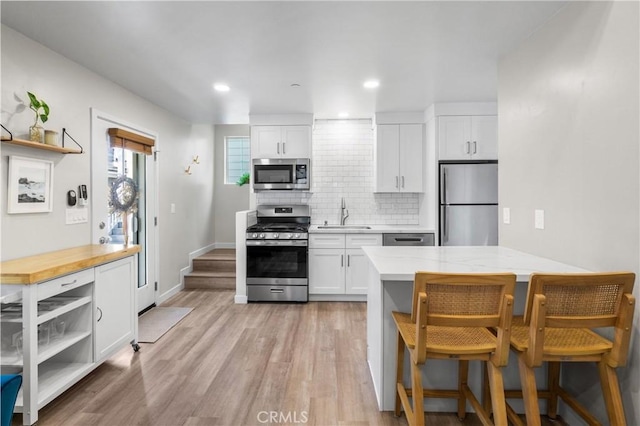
375	229
401	263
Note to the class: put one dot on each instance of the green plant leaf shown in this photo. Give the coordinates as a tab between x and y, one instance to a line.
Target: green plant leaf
45	107
34	101
44	118
244	179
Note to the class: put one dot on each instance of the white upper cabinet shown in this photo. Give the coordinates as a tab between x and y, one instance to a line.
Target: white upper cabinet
280	141
399	158
468	137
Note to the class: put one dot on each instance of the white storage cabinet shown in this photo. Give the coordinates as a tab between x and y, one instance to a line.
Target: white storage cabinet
280	141
468	137
337	264
50	334
399	154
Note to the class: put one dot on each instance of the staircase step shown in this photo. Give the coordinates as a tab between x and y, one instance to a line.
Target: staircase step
210	280
214	264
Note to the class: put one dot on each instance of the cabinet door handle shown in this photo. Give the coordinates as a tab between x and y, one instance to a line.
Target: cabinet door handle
468	147
475	147
348	260
403	181
100	315
71	283
396	181
284	147
342	260
278	147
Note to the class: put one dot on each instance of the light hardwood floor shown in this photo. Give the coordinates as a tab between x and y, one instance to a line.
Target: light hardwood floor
227	364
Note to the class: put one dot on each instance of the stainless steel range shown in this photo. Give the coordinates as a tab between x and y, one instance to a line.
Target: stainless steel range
277	254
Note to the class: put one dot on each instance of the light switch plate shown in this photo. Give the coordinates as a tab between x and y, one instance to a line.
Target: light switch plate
506	215
173	207
539	219
77	215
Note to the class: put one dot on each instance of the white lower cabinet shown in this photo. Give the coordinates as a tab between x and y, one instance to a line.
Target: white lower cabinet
115	310
49	331
337	264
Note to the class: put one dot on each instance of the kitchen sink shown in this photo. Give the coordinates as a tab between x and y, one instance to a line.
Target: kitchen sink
343	227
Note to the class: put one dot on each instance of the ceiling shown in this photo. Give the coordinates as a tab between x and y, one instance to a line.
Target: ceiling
172	52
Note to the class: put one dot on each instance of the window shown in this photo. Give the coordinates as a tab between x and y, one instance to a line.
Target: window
237	158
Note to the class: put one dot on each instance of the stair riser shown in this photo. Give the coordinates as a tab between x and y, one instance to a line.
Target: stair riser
214	265
210	283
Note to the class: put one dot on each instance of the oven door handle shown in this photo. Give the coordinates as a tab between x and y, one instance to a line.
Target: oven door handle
272	243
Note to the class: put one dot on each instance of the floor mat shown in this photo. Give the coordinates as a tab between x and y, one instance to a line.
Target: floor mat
154	323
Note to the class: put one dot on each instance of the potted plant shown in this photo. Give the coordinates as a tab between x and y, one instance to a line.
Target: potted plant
41	109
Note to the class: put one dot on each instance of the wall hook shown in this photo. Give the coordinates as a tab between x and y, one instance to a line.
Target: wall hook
196	159
187	170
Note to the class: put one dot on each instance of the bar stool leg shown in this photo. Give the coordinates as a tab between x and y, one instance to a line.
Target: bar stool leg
496	384
463	374
553	385
611	392
529	391
399	374
418	395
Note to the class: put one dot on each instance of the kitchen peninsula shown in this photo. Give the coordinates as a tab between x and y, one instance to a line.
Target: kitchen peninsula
391	274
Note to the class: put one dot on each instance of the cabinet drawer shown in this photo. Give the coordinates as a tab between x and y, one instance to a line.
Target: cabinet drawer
326	241
360	240
65	283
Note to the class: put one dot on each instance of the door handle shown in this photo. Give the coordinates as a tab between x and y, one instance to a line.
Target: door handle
475	147
396	181
402	181
284	147
278	147
103	240
276	290
342	260
468	147
444	186
445	235
99	310
348	260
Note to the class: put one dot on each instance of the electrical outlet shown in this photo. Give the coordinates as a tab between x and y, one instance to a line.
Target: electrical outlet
506	215
539	219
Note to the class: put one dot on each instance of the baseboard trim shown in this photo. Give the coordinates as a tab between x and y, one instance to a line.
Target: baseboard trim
168	294
241	300
337	298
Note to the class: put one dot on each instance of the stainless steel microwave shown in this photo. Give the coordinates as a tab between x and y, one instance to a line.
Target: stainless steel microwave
281	174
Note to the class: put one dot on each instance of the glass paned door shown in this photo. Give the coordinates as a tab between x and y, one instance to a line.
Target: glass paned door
109	227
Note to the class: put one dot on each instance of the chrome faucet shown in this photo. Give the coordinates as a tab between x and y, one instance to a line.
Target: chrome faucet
344	213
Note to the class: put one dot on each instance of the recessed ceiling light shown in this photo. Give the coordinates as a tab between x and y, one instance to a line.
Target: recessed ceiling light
343	114
371	84
221	87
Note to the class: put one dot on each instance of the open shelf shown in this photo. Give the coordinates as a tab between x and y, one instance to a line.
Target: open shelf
38	145
55	378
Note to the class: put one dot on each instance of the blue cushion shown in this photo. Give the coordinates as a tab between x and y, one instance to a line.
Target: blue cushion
9	392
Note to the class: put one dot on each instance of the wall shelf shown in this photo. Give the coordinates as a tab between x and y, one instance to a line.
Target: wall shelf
37	145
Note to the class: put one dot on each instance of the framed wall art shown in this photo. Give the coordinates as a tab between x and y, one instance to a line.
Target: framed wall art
30	185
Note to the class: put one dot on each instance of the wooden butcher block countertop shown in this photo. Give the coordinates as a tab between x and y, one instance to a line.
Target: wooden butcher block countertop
43	267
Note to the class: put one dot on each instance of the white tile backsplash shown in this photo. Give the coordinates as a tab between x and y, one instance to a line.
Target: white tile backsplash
342	166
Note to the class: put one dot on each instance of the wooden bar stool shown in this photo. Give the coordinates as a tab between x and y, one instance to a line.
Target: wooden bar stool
449	319
560	313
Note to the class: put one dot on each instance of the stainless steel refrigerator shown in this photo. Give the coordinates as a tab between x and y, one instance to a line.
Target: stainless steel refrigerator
469	204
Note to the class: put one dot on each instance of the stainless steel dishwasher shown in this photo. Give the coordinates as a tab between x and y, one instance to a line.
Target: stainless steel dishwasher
427	239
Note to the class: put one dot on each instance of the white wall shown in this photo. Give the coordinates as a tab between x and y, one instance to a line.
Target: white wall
342	167
71	90
228	199
569	144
